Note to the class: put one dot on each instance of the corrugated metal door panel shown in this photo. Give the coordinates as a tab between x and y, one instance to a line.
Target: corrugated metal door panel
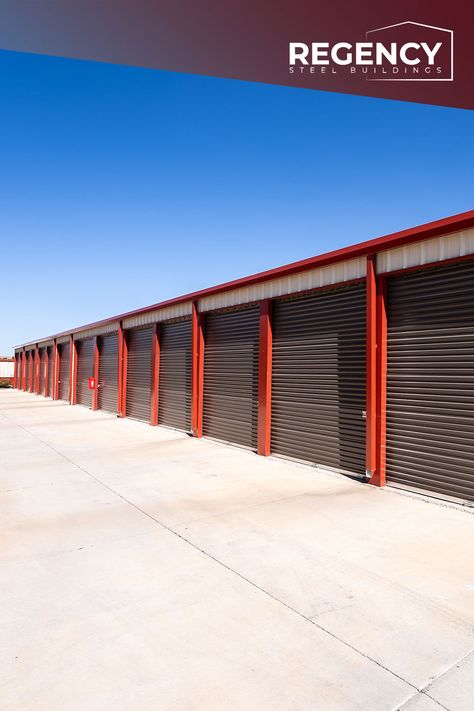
64	355
28	369
139	374
318	378
108	373
85	370
174	400
230	407
42	371
430	380
50	371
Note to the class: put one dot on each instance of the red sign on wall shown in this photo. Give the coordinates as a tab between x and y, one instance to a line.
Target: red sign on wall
91	383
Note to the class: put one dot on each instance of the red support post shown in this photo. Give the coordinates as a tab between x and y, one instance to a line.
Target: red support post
95	392
197	370
120	369
371	373
56	357
265	379
379	476
72	371
123	398
155	375
15	370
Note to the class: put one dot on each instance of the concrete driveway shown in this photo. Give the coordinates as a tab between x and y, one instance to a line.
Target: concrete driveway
142	569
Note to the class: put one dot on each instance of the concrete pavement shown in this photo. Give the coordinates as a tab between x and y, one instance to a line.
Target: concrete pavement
143	569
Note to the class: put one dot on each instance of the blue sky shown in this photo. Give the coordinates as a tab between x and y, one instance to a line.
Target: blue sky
121	187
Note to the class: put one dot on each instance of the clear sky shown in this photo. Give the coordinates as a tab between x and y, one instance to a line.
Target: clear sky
121	187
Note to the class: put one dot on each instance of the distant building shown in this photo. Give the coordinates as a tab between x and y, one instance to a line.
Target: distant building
7	366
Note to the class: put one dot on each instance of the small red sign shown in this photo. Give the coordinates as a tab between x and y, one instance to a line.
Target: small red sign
91	383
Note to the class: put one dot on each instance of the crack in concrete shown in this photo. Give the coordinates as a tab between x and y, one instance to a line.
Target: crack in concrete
425	689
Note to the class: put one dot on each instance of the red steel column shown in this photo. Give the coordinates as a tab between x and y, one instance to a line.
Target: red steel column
72	371
265	379
56	370
197	371
15	370
119	369
371	388
155	374
95	392
378	478
123	399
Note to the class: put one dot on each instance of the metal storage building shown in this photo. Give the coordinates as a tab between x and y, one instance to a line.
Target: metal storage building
360	360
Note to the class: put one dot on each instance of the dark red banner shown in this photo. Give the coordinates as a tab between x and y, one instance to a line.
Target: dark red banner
412	51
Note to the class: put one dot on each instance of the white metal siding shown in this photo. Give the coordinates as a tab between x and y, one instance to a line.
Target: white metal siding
457	244
164	314
310	279
97	331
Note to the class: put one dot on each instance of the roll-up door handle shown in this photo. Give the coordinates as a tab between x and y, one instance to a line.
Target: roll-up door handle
364	414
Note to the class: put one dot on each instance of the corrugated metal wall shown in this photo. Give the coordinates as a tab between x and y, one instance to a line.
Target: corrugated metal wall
174	400
318	378
230	406
138	403
64	355
85	370
303	281
108	373
430	380
452	246
157	315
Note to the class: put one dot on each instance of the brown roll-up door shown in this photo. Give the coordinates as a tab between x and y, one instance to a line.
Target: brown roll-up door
318	378
85	370
50	371
42	371
108	373
430	380
230	406
139	358
174	401
64	357
22	371
28	370
18	371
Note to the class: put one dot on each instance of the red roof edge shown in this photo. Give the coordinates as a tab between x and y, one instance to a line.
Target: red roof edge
454	223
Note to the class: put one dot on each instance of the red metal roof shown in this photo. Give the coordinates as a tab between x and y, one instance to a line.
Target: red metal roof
454	223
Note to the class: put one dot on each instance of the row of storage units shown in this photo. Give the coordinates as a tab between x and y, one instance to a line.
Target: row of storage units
318	397
318	378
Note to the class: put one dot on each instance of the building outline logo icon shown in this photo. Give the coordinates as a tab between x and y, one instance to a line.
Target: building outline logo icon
418	24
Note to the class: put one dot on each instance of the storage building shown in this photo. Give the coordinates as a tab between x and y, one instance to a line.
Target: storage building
360	360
